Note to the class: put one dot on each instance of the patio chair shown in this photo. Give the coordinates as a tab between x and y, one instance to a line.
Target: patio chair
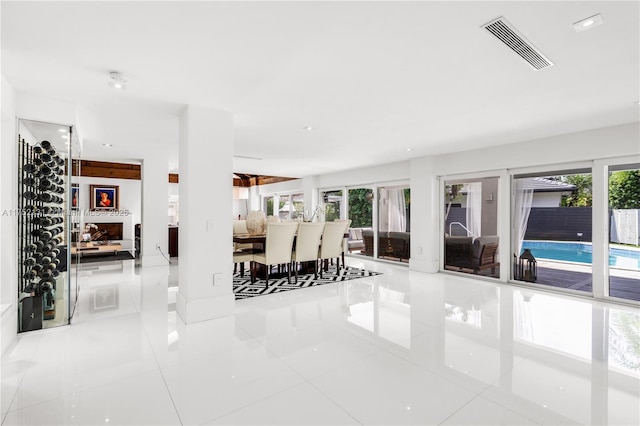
400	245
367	239
485	250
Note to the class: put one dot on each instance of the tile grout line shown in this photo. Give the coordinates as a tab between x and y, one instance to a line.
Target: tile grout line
164	380
19	385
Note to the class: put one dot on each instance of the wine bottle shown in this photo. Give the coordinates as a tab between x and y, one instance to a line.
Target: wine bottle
45	197
42	221
45	260
45	171
45	236
38	150
29	275
29	181
46	145
30	195
29	261
30	168
45	184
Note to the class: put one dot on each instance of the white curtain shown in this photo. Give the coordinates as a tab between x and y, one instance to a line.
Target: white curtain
397	211
522	195
474	208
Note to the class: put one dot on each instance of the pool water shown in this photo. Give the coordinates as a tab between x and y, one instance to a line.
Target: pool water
581	253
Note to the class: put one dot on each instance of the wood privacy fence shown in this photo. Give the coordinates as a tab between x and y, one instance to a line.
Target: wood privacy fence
545	223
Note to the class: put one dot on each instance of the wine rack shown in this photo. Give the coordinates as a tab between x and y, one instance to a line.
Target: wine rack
41	224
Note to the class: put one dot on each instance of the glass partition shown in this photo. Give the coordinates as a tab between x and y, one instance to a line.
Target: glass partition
46	202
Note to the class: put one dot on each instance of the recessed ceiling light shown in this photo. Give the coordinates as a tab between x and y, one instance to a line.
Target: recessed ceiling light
118	80
307	128
588	23
408	149
62	130
107	145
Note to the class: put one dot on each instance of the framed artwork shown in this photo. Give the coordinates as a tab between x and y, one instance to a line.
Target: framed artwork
104	197
75	194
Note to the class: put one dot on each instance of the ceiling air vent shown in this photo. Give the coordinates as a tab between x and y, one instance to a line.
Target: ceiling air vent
504	32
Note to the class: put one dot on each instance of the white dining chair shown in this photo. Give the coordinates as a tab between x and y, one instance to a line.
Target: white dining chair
277	247
331	247
307	244
345	240
240	257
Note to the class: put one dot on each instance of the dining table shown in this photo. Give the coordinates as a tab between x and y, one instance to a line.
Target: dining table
259	240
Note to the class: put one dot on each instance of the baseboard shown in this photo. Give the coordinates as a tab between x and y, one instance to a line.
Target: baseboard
424	265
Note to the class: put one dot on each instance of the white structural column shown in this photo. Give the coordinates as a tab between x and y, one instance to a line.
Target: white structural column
310	188
205	289
425	232
155	190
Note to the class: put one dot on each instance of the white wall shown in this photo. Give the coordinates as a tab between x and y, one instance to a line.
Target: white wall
129	191
8	223
391	172
608	142
546	199
45	109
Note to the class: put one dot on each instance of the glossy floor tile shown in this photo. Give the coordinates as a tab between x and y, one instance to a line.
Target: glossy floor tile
398	348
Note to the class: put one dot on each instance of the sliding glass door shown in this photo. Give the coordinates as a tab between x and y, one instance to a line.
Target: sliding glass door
394	223
552	229
471	226
624	231
360	205
332	203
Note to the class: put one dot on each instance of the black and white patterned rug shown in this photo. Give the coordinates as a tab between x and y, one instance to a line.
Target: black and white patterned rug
244	288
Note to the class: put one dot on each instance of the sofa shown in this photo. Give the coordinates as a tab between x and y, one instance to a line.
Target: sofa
475	254
355	241
395	245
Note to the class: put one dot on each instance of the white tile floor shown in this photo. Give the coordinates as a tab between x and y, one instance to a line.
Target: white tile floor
398	348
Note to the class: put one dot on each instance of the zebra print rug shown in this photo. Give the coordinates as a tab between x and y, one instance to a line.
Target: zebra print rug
244	288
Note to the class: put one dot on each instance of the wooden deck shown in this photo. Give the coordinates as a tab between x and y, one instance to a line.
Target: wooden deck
624	288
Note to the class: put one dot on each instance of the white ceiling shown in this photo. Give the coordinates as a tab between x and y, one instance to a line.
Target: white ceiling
372	78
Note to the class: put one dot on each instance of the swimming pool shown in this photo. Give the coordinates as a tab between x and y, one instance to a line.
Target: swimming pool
581	253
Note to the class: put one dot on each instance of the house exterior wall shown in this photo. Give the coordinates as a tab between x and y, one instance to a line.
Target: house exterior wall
546	199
